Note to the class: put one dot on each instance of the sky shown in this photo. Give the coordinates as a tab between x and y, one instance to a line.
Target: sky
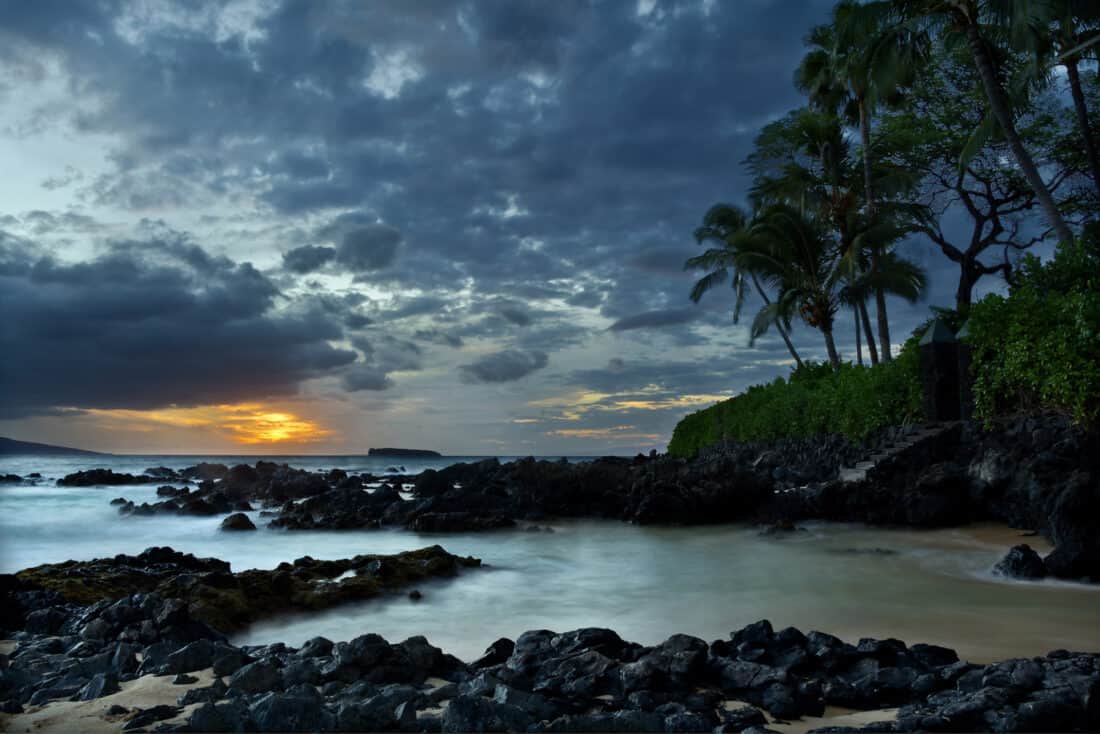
319	227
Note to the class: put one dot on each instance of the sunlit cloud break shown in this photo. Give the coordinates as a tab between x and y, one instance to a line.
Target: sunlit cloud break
651	397
247	423
613	433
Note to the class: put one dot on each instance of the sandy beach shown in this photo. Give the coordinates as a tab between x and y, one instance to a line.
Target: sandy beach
92	717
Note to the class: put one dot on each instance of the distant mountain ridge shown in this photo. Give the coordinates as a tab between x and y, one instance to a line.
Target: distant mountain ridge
404	453
9	447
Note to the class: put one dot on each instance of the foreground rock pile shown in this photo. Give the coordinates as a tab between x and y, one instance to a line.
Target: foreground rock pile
585	680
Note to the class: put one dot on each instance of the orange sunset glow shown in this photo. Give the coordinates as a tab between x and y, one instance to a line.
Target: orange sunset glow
247	424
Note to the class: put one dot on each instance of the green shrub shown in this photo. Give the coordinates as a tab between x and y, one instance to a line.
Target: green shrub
1039	348
853	401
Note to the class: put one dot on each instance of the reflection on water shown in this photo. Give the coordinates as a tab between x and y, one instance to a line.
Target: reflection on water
646	583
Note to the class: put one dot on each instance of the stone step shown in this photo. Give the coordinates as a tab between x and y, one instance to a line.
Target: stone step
858	472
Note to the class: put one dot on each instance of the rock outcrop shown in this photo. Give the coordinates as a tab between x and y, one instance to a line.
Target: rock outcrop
212	593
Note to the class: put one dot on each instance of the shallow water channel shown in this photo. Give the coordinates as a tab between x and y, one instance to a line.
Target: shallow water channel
644	582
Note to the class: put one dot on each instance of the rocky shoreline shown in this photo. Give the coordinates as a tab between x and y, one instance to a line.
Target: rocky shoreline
1038	473
81	631
583	680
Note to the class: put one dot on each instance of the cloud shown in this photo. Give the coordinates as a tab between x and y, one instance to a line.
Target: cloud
656	319
466	169
366	377
368	248
516	315
662	260
307	258
415	306
382	354
143	327
504	366
436	336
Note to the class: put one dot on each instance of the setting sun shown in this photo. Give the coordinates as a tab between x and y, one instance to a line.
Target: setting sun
248	423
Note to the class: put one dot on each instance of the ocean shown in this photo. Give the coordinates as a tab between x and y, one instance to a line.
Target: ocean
644	582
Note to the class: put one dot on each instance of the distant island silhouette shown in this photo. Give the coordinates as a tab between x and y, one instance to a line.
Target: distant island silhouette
11	447
406	453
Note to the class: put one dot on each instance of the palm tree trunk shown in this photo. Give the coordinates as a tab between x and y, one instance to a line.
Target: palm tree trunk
883	325
865	140
859	344
998	103
867	330
872	208
778	324
830	347
1083	119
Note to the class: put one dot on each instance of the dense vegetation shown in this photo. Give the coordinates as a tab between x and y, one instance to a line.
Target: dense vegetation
1039	348
920	115
815	399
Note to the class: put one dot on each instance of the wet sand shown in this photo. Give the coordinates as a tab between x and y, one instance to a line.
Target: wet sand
977	635
834	716
91	716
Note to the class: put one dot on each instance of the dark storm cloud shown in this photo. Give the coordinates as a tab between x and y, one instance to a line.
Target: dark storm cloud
307	258
347	307
608	126
656	319
536	153
148	326
504	366
369	248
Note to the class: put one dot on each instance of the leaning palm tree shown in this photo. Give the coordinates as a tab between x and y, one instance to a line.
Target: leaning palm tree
800	258
729	228
977	22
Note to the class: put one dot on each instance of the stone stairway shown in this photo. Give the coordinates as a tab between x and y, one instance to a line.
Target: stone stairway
858	473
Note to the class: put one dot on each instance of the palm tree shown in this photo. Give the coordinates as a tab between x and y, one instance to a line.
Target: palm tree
854	294
730	228
853	66
805	161
800	258
1072	36
976	21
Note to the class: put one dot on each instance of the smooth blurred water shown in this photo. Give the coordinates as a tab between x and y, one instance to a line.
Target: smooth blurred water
644	582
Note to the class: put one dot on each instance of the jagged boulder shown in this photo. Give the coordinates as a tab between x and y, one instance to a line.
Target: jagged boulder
1021	562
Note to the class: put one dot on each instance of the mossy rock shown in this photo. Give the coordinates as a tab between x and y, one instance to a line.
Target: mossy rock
232	601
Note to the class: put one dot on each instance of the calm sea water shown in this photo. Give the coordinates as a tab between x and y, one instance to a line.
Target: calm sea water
644	582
